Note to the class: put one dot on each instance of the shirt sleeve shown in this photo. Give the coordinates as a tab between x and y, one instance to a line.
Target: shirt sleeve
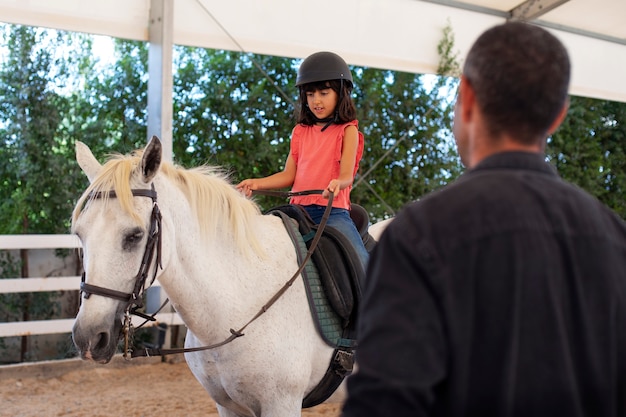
401	355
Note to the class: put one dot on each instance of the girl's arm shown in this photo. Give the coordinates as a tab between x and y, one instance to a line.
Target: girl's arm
348	159
280	179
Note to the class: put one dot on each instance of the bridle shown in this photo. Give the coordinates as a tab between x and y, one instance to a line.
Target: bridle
134	300
152	252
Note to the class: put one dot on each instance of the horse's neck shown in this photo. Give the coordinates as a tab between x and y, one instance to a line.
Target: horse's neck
213	278
199	278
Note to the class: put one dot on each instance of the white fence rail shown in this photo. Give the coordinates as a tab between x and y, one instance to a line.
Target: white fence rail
40	284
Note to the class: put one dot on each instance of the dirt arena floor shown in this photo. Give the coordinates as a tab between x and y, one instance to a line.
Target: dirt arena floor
144	387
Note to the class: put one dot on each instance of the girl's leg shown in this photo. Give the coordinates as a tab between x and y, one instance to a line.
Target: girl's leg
340	219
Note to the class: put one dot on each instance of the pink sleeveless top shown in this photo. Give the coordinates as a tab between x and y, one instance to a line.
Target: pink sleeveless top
317	156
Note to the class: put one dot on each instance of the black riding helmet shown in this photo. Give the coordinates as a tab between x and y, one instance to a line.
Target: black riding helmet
323	66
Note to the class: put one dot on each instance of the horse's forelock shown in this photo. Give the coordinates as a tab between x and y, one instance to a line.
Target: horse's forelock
115	175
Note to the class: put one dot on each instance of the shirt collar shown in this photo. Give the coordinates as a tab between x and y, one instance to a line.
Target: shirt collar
516	160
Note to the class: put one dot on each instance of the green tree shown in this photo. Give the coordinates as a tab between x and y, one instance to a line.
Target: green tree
109	111
589	149
30	113
31	200
408	151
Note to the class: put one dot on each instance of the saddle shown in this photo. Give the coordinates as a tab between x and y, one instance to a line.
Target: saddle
361	220
333	283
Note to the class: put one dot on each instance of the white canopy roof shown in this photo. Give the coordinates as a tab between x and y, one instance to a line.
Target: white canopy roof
392	34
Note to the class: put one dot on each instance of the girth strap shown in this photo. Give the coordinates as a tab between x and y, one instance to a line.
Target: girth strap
340	366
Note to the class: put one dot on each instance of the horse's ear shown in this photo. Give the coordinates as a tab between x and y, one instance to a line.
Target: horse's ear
151	159
87	162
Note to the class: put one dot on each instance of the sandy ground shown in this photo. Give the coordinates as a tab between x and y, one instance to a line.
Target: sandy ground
140	388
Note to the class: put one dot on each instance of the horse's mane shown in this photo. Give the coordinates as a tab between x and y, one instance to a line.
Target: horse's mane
211	196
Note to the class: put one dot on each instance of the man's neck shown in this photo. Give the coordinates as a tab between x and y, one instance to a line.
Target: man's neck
502	144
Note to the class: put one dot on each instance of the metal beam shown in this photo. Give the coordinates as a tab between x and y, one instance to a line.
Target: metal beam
470	7
581	32
160	81
532	9
508	15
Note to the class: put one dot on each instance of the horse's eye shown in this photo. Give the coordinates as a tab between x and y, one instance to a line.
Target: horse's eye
131	239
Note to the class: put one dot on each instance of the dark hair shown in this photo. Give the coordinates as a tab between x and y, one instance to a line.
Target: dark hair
344	112
520	74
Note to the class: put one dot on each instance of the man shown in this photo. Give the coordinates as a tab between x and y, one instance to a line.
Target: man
503	294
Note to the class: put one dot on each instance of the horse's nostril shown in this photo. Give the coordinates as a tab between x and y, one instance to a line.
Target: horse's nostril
102	340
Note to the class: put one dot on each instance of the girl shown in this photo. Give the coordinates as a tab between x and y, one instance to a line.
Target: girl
326	145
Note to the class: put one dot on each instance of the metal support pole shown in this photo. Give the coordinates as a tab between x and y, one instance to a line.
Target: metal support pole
160	106
160	85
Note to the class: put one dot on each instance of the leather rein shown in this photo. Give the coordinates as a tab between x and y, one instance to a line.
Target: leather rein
152	252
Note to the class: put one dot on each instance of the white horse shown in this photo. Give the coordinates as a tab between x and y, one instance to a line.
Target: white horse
377	229
221	261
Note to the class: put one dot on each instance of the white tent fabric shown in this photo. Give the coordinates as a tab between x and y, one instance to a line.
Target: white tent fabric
392	34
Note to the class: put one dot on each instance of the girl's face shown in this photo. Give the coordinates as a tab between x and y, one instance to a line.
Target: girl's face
322	102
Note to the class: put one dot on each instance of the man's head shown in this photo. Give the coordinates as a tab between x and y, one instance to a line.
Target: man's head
518	76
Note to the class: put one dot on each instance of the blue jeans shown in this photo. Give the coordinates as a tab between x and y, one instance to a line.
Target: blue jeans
340	219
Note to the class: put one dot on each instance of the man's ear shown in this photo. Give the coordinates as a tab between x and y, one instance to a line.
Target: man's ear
466	99
559	118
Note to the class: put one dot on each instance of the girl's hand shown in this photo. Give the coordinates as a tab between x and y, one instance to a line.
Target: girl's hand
333	187
246	186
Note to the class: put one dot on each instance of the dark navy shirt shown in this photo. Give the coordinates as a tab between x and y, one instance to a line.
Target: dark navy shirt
503	294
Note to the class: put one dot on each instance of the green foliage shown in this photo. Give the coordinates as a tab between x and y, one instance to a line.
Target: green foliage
9	268
41	305
235	110
408	152
33	196
109	112
589	149
448	57
29	115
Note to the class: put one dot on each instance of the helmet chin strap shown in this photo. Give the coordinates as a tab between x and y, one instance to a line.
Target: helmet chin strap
328	120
